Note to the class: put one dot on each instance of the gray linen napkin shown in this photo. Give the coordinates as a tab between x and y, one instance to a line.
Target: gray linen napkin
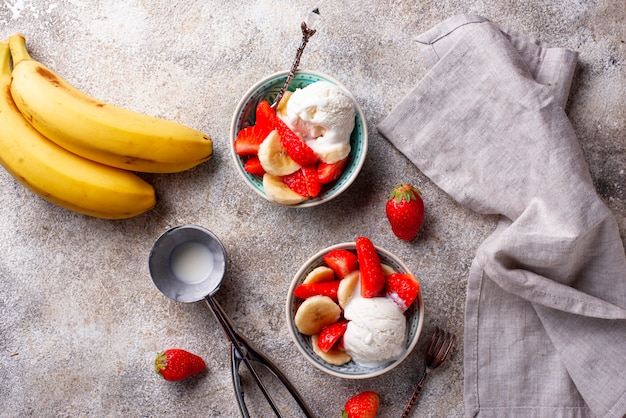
545	322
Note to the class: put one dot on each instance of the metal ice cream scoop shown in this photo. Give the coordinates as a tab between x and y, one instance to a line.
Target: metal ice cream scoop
187	264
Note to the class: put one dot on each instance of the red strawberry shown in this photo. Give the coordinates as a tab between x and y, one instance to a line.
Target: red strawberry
405	211
265	117
296	182
403	289
372	274
313	186
330	172
363	405
331	334
176	364
295	147
342	262
253	166
340	345
306	290
248	141
304	182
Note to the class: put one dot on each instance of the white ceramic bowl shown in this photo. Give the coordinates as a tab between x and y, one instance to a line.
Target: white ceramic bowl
268	88
352	370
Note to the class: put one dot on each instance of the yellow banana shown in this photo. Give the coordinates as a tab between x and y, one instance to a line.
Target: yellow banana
57	175
97	130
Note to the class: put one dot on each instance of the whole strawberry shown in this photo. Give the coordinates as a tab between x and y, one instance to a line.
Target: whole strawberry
176	364
405	211
363	405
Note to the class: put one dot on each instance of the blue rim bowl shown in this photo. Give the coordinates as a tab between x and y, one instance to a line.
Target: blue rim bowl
352	370
267	89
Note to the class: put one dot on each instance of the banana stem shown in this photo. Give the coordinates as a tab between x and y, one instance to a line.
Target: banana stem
5	57
19	53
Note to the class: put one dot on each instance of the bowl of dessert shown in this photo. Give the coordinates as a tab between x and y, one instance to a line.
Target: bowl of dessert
354	310
302	148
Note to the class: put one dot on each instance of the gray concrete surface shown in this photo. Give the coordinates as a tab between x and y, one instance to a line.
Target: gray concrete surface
80	319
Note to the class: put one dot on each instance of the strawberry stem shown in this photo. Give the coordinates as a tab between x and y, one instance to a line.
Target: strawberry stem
404	192
160	362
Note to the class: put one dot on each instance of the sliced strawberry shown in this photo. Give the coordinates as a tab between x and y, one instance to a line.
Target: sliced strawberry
296	182
313	186
295	147
253	166
305	291
372	274
248	141
342	262
331	334
304	182
265	117
340	346
330	172
403	289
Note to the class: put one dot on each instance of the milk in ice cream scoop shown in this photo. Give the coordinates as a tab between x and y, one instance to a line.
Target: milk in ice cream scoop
322	114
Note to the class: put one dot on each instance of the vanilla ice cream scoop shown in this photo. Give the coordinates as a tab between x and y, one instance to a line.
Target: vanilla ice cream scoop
376	332
322	114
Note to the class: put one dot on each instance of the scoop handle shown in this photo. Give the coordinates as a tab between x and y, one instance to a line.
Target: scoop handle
235	340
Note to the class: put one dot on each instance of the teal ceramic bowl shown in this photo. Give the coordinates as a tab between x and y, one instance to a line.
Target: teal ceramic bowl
268	89
351	370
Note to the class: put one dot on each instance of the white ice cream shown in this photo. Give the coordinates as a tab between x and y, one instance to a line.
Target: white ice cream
322	114
376	332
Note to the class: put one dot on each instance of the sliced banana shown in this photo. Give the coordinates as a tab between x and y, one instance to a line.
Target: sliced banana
346	288
273	157
281	109
315	313
319	274
329	152
387	269
333	356
279	192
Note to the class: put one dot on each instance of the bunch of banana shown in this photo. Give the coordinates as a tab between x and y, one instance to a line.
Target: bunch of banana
97	130
79	152
59	176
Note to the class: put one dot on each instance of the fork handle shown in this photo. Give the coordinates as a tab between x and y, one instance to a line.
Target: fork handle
414	396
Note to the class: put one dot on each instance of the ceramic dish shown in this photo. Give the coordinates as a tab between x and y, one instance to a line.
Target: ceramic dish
352	370
268	89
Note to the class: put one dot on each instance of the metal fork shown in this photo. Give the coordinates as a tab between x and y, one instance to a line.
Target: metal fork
438	351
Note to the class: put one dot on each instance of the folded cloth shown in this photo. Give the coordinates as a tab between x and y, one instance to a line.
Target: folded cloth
545	318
